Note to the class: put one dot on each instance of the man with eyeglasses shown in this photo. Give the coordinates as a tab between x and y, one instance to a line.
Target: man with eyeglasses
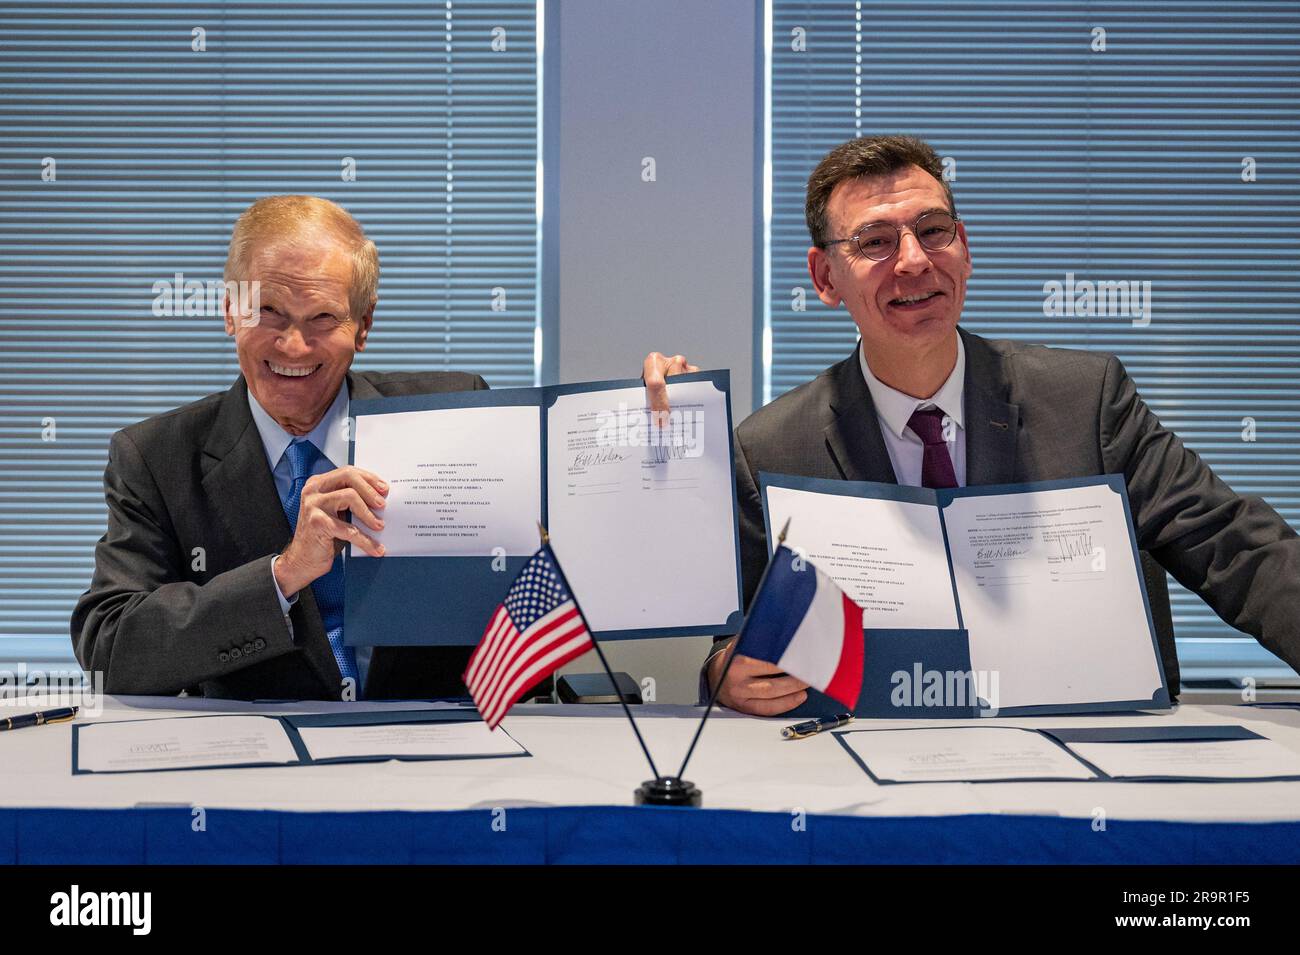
923	402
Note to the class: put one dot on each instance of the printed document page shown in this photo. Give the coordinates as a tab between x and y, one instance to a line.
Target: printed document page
453	739
182	743
1198	759
641	516
963	754
1049	592
462	481
886	555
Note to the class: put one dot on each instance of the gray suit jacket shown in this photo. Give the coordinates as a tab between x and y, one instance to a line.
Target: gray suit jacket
162	616
1034	414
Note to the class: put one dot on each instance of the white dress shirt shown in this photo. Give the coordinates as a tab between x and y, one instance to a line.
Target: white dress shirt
894	409
331	437
906	450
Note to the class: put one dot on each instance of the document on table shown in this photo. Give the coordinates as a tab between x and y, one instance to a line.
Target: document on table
1192	759
1043	577
181	743
961	754
642	517
208	742
461	739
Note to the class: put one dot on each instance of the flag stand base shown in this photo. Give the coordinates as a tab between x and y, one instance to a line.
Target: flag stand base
668	791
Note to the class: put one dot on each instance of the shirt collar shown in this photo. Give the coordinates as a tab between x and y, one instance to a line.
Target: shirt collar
328	435
895	408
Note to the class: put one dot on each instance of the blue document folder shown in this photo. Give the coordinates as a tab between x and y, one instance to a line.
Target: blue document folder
940	659
1116	734
293	722
448	600
901	670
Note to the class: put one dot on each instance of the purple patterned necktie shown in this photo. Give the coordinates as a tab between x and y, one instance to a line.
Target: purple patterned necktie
936	464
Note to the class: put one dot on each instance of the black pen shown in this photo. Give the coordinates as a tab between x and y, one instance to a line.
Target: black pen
813	727
38	719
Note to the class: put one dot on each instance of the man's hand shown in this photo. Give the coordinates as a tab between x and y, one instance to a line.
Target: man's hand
655	369
755	686
322	530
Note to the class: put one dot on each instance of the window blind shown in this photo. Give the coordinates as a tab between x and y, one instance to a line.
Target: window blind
133	136
1097	142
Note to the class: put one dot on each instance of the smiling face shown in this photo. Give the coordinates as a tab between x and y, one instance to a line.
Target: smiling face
910	301
296	352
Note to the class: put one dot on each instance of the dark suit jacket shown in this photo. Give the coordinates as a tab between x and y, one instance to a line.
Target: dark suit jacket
1034	413
157	619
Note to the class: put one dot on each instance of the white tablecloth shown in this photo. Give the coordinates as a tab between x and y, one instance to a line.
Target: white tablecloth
587	755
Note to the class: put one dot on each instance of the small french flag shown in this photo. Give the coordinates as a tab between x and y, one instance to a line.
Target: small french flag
801	621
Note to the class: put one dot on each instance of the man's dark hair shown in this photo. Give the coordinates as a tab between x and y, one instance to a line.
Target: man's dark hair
867	156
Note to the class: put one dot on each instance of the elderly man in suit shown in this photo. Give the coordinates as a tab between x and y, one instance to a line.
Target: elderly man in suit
923	402
220	572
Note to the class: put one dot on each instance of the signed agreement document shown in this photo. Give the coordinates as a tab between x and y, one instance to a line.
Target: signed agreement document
464	739
641	513
961	754
1044	577
186	743
1207	759
1050	583
250	740
641	516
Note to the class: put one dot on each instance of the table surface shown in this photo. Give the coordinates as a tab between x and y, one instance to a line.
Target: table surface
587	755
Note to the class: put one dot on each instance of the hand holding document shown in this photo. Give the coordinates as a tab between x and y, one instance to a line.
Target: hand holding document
1044	578
642	515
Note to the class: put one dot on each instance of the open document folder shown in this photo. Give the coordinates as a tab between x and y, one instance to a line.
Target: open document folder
247	740
986	754
642	517
1043	581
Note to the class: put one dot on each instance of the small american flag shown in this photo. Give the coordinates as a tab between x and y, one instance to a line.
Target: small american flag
536	630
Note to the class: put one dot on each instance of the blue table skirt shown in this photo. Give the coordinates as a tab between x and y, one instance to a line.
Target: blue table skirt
617	834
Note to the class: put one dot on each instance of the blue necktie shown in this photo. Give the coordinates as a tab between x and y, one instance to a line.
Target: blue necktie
328	589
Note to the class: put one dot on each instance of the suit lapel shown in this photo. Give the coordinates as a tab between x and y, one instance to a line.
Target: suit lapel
359	389
992	423
854	435
238	481
359	386
236	478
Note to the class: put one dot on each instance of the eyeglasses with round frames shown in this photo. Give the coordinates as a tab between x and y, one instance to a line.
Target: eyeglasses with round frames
878	241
